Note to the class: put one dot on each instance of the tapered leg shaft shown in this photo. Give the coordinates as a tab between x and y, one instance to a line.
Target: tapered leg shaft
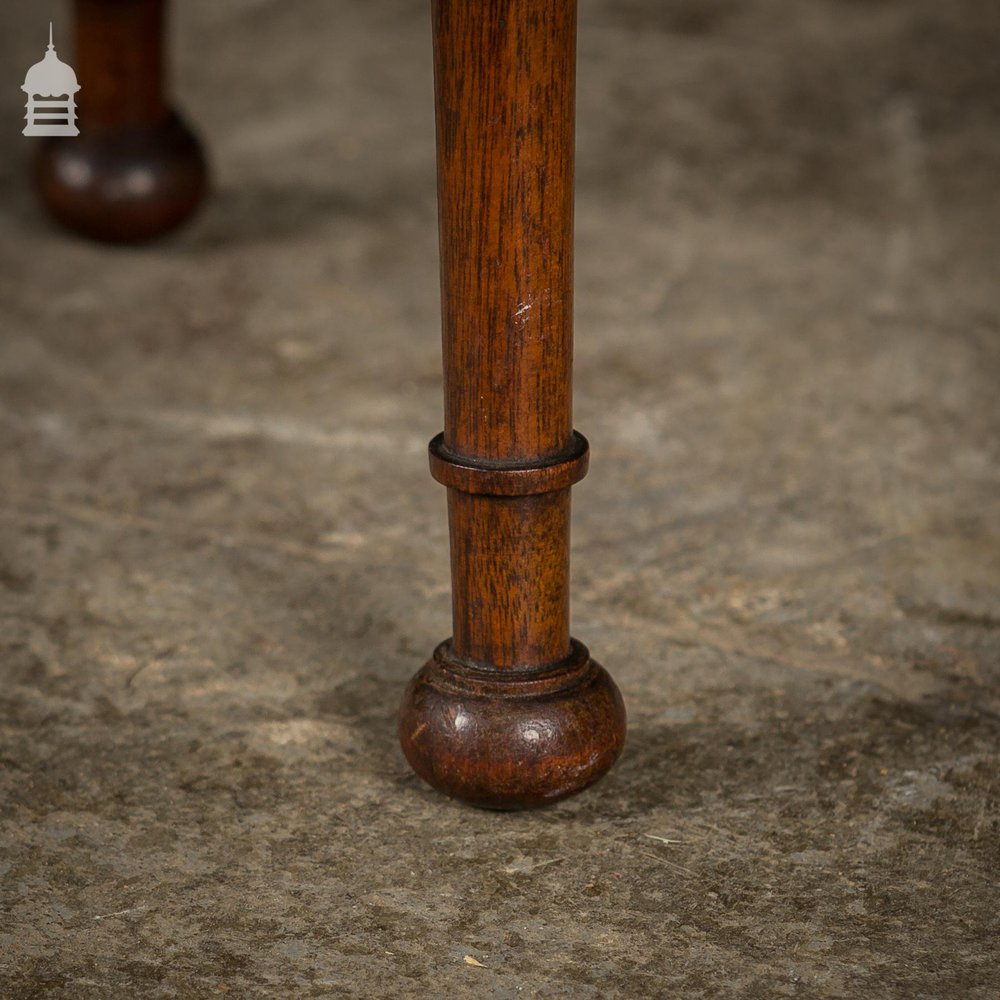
510	712
136	170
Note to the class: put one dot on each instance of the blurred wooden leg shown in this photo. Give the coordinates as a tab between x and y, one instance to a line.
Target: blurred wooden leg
136	170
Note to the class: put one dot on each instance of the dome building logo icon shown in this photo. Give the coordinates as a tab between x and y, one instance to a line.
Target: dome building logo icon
51	78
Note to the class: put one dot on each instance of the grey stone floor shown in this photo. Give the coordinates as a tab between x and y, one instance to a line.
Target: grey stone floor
221	554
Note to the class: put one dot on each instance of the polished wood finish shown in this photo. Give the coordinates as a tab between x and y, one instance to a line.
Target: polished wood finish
510	712
136	170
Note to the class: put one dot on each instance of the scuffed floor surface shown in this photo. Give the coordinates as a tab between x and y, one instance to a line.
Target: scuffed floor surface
222	554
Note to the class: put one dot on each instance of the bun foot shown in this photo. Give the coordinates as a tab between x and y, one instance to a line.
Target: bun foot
123	185
512	739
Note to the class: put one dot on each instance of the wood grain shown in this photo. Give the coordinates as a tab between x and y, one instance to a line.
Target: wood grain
510	712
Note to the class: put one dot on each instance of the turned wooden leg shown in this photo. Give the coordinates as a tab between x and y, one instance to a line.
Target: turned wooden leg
135	171
510	712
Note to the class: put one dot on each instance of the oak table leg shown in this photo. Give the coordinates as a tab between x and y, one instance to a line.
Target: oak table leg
136	170
511	712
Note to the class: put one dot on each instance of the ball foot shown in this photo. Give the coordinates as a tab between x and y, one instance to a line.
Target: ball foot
123	185
511	739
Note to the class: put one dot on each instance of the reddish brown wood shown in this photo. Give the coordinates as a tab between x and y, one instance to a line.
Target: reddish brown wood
510	712
136	170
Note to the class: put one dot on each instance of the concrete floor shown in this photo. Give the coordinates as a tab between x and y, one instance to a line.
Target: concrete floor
221	553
